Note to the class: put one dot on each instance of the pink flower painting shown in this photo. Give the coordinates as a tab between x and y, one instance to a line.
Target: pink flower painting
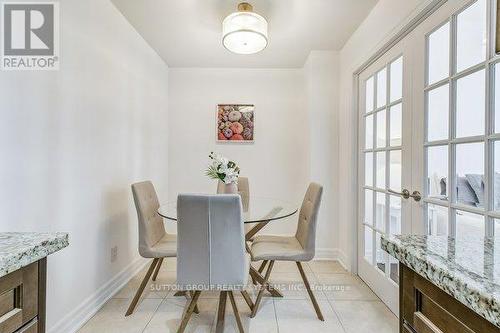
235	123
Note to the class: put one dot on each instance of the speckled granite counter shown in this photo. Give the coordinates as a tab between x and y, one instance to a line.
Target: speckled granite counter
466	269
19	249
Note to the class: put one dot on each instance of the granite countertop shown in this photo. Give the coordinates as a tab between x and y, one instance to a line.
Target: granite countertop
467	269
19	249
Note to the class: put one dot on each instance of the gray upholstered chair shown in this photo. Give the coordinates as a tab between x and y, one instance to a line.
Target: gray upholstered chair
154	242
211	250
244	192
298	248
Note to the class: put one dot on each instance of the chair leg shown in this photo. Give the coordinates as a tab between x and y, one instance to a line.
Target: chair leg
254	282
236	313
221	313
189	312
141	288
196	310
157	270
309	291
262	288
262	266
247	299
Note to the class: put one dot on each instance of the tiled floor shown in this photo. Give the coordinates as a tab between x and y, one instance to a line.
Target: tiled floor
348	305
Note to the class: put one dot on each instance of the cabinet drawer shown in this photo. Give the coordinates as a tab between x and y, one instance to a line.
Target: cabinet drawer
424	325
7	302
437	317
406	329
18	298
425	308
31	327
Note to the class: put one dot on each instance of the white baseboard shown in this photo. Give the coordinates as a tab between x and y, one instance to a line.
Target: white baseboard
75	319
342	259
331	254
326	254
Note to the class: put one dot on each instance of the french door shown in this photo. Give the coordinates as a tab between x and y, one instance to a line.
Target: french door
429	138
385	167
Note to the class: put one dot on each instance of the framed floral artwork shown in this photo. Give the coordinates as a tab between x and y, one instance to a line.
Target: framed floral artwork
235	122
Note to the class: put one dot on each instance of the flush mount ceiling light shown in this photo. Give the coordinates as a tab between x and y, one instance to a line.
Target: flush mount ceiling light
244	32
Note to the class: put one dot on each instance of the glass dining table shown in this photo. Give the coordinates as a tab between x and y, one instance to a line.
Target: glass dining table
259	211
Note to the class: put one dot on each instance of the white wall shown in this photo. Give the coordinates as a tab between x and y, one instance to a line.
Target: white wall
72	142
321	81
386	19
275	163
281	162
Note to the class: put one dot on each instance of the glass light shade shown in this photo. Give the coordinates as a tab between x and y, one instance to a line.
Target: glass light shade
244	32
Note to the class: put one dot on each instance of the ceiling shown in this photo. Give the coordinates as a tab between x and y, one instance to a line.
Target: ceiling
187	33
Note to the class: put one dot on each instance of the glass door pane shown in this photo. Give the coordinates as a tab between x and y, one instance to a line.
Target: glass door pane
460	138
439	54
470	104
471	35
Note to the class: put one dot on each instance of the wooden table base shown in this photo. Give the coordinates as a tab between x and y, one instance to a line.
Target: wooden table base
256	274
260	279
188	295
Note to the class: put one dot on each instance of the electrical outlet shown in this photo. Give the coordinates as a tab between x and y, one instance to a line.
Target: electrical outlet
114	253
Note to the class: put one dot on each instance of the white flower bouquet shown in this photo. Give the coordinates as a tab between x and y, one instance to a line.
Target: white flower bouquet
223	169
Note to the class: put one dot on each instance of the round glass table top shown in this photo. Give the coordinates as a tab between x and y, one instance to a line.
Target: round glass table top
259	210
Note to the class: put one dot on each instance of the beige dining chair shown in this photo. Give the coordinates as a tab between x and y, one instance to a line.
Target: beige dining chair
211	252
298	248
154	241
243	190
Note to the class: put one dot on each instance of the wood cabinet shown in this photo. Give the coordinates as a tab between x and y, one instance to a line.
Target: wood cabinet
22	299
424	308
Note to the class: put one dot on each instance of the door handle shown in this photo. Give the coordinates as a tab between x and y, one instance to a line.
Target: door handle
416	196
405	194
